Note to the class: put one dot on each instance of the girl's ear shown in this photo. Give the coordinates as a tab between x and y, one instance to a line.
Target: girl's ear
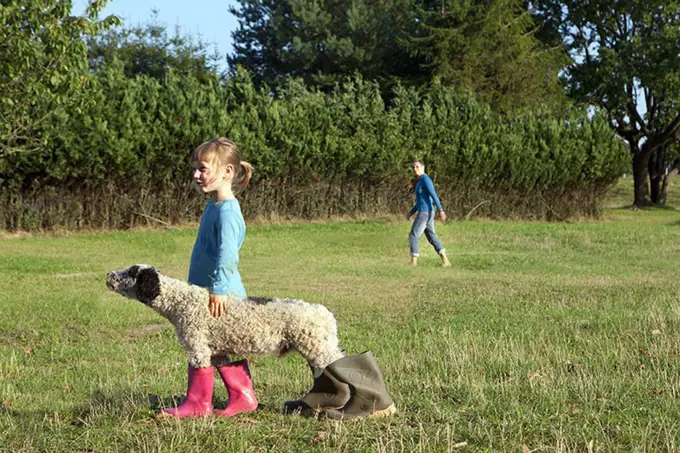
229	170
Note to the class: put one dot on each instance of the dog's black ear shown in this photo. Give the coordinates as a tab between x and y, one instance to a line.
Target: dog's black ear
148	285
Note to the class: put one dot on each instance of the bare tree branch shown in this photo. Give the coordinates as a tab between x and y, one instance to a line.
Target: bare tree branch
651	108
6	150
635	114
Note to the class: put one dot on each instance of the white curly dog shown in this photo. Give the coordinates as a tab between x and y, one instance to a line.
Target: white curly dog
248	326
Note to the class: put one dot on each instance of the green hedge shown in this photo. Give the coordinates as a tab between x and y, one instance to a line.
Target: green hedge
123	160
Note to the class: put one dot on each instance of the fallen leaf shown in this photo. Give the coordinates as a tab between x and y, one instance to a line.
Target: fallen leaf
572	367
78	422
535	375
319	438
574	407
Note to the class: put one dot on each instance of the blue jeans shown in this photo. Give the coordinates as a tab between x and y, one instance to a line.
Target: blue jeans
424	223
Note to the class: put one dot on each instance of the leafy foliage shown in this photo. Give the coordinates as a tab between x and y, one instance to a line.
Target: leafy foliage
489	47
323	42
315	154
111	148
485	47
43	70
148	49
626	61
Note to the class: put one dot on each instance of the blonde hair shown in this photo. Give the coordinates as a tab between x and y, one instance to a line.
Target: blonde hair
223	151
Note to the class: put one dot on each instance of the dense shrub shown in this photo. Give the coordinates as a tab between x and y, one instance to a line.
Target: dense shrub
123	160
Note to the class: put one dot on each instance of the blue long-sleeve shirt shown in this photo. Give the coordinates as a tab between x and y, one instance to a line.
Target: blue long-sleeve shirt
425	196
214	260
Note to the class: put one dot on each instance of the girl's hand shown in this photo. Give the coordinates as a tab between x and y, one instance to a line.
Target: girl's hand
442	216
216	305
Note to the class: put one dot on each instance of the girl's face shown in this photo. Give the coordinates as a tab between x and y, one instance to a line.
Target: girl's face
212	177
418	169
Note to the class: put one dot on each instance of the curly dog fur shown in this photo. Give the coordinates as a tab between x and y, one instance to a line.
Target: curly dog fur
247	326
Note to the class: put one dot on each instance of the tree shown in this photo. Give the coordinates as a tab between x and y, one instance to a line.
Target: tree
324	41
490	48
43	70
486	46
148	49
627	62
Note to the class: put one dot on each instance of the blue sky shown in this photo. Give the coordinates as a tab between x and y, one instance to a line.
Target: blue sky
209	19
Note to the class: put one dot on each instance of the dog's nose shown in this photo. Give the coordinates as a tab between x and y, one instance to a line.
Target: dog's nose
111	278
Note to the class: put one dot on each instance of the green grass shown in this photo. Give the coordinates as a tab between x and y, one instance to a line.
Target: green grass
541	337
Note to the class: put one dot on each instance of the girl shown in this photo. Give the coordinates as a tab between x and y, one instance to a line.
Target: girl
424	221
219	171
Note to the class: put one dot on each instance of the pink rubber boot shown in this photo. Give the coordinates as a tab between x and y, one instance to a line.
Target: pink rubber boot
198	401
236	377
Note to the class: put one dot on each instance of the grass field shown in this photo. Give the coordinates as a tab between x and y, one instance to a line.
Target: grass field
540	337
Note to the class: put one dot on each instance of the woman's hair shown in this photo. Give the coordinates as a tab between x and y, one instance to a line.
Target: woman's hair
223	151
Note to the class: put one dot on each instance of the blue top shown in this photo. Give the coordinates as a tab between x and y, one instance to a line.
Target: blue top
425	196
214	261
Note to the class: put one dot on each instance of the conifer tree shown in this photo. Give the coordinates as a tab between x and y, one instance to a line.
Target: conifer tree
323	41
486	46
489	47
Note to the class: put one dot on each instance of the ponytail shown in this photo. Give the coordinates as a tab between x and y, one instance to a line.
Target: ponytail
243	178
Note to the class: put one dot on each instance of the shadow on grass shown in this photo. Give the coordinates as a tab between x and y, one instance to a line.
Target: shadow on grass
130	405
660	207
102	409
122	405
158	403
651	207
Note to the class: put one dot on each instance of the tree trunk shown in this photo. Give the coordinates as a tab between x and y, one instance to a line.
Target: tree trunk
640	173
663	193
657	173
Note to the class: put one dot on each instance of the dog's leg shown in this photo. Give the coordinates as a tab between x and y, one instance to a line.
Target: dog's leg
220	360
319	352
197	349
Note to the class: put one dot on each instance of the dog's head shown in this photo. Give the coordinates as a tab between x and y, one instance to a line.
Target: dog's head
139	281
